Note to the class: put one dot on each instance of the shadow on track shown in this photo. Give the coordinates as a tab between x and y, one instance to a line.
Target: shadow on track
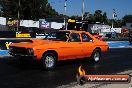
26	64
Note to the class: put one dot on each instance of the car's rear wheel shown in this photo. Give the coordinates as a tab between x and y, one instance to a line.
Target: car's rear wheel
96	55
48	61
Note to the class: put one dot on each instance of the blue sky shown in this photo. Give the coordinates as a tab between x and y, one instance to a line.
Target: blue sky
74	7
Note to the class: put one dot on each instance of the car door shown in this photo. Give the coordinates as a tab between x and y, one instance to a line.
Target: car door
88	45
73	48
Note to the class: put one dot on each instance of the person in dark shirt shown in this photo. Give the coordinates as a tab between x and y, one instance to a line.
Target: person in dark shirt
130	38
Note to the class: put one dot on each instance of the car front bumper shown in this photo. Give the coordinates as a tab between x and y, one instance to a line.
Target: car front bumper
22	55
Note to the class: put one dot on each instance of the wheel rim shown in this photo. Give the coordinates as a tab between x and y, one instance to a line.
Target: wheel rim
96	56
49	61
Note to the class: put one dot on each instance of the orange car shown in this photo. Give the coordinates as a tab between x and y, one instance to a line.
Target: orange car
61	45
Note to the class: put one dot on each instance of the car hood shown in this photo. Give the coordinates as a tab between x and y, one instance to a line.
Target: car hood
33	43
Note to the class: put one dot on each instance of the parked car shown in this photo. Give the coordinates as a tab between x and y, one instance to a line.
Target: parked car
61	45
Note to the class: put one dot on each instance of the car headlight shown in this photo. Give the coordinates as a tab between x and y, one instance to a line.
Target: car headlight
30	51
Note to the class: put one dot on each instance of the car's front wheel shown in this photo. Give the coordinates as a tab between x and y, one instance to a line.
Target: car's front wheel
48	61
96	55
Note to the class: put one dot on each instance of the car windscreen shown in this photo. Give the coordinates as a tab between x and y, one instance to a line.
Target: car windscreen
58	36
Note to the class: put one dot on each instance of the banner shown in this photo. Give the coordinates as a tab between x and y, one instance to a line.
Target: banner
14	34
41	35
25	35
2	21
12	23
44	24
29	23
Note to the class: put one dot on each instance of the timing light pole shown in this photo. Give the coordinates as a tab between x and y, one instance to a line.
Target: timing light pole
82	9
18	15
112	18
65	22
114	15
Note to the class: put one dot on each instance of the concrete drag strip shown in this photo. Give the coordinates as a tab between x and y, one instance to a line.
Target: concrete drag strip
117	41
101	85
119	44
122	47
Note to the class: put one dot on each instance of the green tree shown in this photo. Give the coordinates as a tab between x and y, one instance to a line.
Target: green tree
75	17
105	19
98	16
118	24
29	9
127	18
86	15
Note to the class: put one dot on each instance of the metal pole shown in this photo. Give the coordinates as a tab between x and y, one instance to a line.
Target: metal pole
65	14
18	15
82	9
112	23
113	17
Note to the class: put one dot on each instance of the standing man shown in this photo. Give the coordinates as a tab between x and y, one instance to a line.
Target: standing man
130	37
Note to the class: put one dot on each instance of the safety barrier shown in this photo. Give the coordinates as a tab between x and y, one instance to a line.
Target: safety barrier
4	43
9	37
